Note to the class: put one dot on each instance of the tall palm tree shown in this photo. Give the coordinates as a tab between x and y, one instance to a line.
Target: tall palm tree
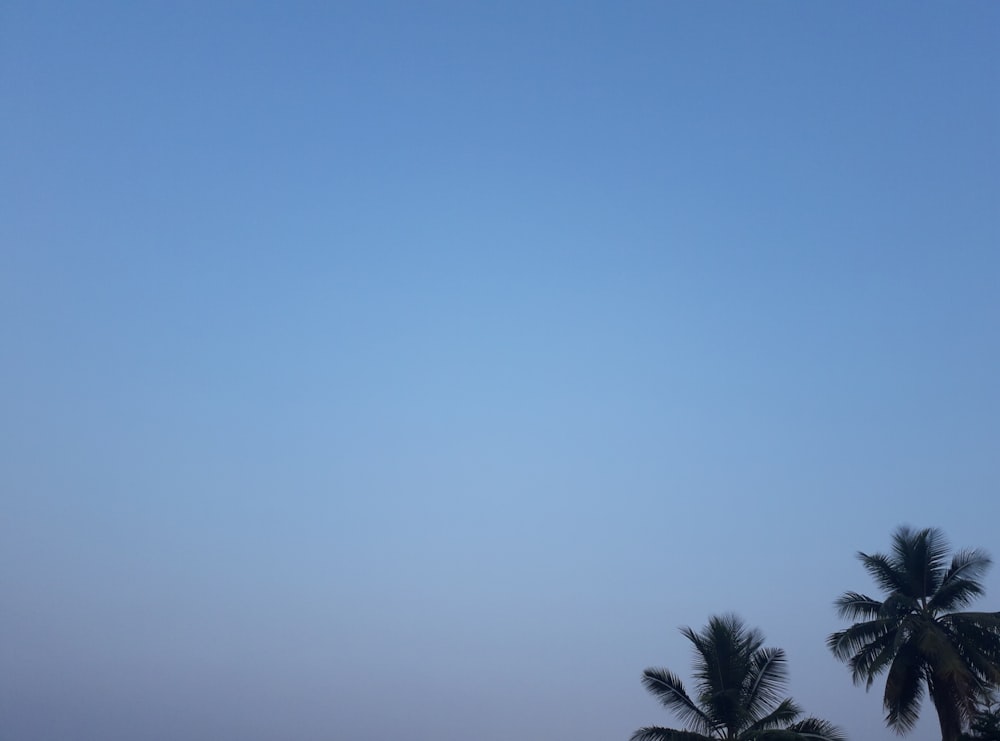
739	687
915	635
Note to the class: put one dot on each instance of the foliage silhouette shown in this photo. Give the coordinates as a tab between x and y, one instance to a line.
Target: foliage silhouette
914	635
985	722
739	686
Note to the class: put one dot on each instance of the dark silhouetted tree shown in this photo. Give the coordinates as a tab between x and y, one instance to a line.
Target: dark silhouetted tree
738	691
985	722
915	634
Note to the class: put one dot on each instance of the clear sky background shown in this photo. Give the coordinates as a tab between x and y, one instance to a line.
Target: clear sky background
413	370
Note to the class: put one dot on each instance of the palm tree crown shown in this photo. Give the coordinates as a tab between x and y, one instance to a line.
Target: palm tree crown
739	686
915	635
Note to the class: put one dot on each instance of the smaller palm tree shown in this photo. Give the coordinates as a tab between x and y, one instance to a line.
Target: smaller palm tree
739	687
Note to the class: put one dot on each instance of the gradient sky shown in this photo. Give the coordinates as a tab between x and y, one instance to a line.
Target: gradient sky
414	370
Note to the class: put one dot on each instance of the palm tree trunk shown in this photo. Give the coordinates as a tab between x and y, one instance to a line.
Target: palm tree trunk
949	714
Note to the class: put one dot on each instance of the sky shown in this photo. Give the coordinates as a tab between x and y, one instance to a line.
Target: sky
416	369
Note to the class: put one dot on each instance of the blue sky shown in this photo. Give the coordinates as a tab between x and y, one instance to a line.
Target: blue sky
418	368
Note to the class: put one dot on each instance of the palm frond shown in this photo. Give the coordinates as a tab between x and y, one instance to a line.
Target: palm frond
765	682
977	637
969	563
985	620
845	643
954	594
854	606
921	555
810	729
784	714
669	690
961	584
884	572
875	657
817	730
657	733
904	689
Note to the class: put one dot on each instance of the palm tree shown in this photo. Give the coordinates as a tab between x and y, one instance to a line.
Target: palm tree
739	691
915	635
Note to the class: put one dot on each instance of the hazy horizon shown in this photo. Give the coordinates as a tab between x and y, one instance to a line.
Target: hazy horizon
411	368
